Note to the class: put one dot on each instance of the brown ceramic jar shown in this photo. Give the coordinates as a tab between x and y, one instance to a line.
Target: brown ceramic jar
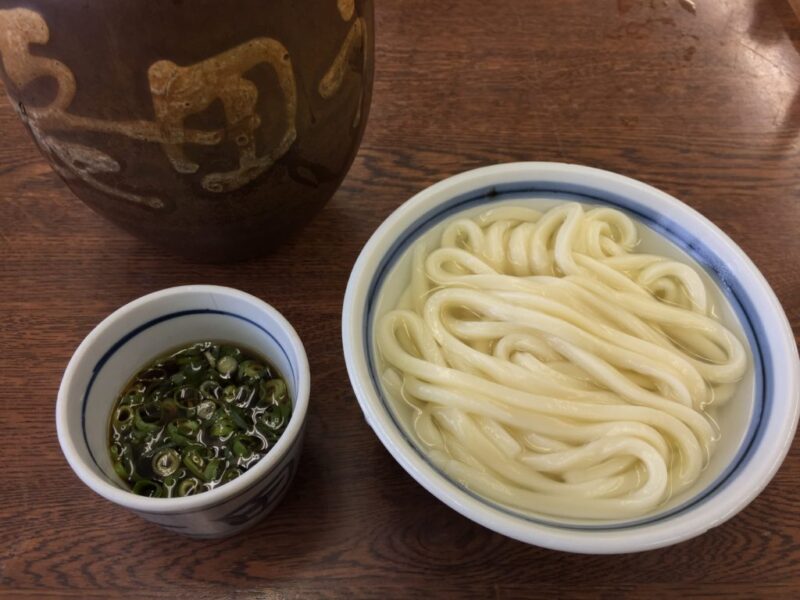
210	127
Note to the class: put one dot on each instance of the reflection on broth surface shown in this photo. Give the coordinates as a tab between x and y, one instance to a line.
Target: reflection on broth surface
551	365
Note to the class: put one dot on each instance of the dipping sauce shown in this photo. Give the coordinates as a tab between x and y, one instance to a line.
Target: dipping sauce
196	418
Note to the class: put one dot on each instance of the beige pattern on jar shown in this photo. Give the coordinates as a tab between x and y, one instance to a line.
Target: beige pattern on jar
177	92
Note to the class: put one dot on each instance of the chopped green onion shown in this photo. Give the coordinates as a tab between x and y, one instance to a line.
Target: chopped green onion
245	395
121	470
189	360
206	409
245	445
250	370
231	474
238	418
211	390
229	394
154	374
230	351
271	392
146	487
183	426
116	450
273	419
226	365
188	487
123	416
132	399
146	418
222	427
194	461
166	462
187	398
183	431
211	469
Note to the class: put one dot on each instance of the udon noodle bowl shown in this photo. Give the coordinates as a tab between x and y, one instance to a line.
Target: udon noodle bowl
561	359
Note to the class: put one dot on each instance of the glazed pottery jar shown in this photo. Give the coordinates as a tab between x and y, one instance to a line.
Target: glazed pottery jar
210	127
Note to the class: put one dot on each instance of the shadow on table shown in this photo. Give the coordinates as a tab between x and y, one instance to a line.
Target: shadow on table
274	553
433	546
771	21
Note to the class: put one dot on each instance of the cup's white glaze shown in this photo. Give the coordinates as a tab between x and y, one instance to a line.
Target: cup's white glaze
760	427
135	334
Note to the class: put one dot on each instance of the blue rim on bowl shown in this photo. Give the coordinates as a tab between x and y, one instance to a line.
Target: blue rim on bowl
767	438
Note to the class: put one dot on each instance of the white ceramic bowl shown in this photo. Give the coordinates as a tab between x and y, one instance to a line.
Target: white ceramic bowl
758	424
139	332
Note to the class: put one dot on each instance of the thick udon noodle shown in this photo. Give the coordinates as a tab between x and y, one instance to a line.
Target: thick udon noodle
553	369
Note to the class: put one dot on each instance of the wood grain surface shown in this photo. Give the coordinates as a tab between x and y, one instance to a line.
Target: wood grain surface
704	104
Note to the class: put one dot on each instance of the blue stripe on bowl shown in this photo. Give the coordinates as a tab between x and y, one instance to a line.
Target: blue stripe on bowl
730	285
144	327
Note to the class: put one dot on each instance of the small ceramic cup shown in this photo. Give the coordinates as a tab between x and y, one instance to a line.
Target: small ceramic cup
139	332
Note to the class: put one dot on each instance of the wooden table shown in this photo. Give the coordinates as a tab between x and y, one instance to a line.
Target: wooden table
704	105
